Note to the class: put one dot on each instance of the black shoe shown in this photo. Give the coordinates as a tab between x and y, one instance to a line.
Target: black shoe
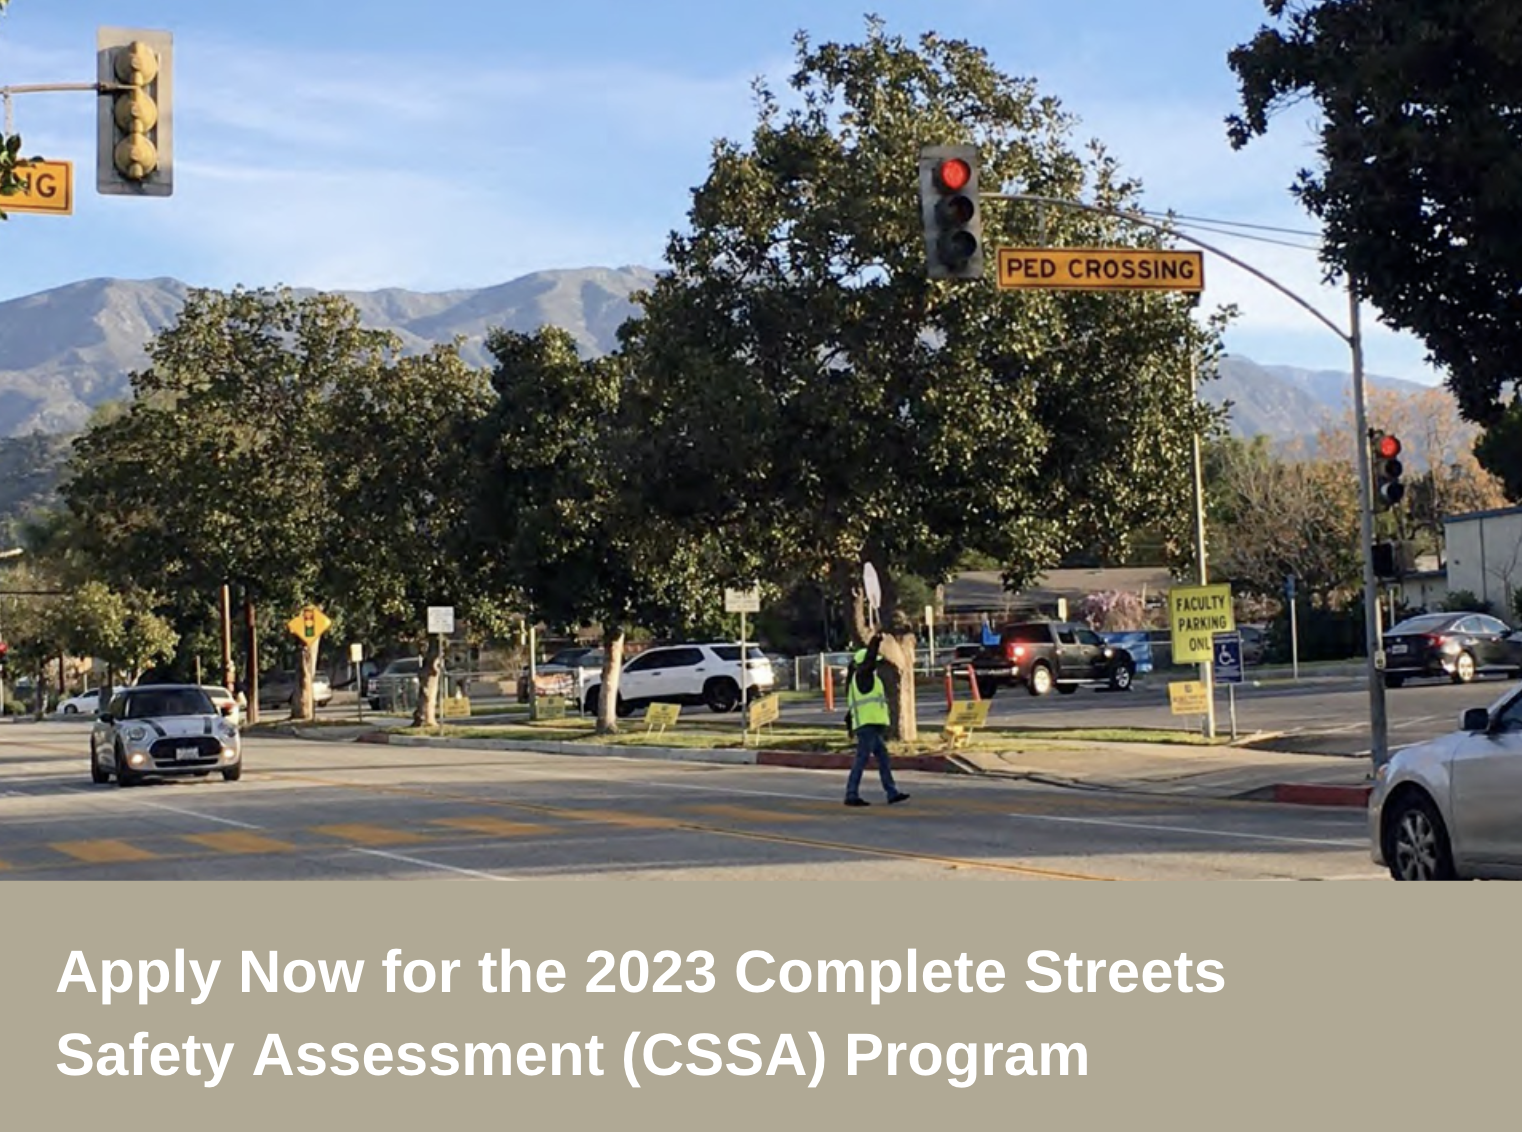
899	797
857	802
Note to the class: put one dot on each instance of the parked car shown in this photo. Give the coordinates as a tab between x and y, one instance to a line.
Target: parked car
86	703
397	683
1042	655
1448	809
1459	646
563	662
225	702
163	730
687	674
282	688
1254	644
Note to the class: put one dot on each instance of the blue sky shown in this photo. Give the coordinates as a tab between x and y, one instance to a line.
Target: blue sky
350	144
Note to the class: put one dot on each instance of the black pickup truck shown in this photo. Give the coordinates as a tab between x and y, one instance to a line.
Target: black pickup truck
1044	655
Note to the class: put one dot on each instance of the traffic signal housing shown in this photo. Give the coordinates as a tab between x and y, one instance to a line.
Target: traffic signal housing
951	213
134	152
1388	488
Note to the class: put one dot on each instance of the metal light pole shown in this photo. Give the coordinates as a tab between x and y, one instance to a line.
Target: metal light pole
1207	667
1375	660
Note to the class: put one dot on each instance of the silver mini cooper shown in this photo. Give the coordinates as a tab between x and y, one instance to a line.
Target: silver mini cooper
163	730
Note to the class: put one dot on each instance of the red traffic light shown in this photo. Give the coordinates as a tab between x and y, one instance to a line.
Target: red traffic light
953	174
1387	447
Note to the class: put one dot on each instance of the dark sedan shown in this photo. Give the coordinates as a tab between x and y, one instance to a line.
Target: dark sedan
1459	646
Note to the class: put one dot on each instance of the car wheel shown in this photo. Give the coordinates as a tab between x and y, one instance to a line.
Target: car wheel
589	705
1067	689
722	695
987	689
1394	681
1463	668
232	773
622	708
98	774
70	709
1416	843
1120	679
1040	680
375	705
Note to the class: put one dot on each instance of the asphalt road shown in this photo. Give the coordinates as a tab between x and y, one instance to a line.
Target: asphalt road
316	810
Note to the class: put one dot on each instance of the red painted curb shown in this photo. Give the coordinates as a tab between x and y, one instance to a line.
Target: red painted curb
1305	794
805	760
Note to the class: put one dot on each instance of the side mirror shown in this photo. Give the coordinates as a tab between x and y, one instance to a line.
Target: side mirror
105	717
1475	719
227	709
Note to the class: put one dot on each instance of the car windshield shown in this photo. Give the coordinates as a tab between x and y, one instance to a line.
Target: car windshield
1430	623
160	703
401	667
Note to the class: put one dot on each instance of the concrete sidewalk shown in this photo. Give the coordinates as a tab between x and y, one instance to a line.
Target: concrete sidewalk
1142	768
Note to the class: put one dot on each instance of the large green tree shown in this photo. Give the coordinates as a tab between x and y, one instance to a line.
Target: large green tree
1419	179
562	516
816	402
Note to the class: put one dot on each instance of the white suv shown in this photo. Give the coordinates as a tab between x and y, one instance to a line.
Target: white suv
686	674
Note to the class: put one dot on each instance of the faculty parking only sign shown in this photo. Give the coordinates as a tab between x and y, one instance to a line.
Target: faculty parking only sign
1195	615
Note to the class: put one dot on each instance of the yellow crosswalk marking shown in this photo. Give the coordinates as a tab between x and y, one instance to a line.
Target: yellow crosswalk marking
370	834
103	852
749	813
492	827
239	842
617	817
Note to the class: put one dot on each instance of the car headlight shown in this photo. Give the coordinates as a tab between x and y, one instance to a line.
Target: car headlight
1382	772
137	734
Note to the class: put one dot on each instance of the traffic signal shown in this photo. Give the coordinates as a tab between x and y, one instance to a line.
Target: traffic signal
952	216
1384	560
134	154
1388	488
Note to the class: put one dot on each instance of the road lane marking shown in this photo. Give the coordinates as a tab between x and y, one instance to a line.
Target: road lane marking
1343	843
103	852
492	827
747	813
432	864
196	814
367	834
239	842
619	818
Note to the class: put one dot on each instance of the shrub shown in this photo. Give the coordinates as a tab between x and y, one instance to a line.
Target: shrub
1113	611
1463	601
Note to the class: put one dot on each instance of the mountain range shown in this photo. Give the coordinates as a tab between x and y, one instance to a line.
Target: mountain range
64	351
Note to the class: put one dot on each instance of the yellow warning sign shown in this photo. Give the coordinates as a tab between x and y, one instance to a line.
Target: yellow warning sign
1195	615
1100	269
1187	697
47	186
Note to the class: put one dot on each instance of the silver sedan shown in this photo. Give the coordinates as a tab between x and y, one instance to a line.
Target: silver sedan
1452	808
163	730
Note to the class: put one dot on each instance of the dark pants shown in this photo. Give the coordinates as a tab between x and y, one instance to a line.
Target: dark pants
870	740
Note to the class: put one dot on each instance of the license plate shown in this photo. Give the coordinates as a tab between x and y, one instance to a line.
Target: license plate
1398	648
187	752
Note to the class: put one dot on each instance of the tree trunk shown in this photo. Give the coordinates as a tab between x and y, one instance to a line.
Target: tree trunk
251	626
426	713
607	694
305	707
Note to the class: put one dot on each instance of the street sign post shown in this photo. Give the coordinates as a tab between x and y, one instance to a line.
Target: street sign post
1100	269
873	589
743	602
441	619
47	187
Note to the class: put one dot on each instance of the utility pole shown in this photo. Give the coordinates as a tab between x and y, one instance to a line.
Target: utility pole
1207	667
1379	727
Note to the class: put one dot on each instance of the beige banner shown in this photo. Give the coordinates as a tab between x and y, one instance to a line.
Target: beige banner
1334	1005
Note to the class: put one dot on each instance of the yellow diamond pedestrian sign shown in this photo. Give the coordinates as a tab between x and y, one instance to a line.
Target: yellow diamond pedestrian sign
310	624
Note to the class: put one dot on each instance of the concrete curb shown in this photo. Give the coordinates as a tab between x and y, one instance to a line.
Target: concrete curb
1312	794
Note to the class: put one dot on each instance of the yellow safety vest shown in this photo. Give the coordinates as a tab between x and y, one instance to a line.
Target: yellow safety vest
868	709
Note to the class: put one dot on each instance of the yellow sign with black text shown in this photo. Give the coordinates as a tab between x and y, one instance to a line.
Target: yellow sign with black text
48	186
1188	697
1100	269
1195	615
